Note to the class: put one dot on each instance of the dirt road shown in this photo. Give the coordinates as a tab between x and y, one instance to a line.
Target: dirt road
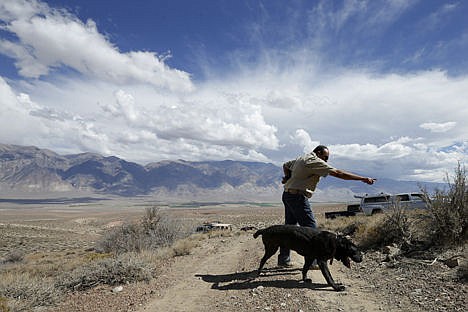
220	273
221	276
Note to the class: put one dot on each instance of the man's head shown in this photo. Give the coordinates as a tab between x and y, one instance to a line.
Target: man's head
322	152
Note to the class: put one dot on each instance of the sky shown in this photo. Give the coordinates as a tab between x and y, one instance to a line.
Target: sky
384	84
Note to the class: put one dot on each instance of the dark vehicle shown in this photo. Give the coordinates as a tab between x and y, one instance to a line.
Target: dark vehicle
213	226
351	210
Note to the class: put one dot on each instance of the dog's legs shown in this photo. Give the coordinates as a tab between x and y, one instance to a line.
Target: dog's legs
270	250
326	273
307	263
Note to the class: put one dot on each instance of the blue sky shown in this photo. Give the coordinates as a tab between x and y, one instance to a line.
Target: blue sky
383	83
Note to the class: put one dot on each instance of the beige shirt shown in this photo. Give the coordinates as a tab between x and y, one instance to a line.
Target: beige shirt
306	171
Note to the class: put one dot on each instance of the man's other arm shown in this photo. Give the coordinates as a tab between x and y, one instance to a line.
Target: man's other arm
350	176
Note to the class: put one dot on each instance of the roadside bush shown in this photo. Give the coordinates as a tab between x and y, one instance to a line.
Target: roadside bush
24	292
4	305
183	247
371	234
153	231
126	268
344	225
450	210
462	272
367	231
13	256
396	226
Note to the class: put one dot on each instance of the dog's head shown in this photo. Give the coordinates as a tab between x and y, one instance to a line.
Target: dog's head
346	250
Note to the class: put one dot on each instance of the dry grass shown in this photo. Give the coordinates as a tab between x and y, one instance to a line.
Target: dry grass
3	305
25	290
41	278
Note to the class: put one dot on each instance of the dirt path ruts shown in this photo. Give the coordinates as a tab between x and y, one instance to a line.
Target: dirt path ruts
220	276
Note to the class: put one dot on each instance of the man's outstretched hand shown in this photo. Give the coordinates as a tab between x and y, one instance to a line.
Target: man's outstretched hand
369	181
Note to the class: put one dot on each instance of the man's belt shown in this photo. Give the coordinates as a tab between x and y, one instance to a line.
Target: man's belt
294	191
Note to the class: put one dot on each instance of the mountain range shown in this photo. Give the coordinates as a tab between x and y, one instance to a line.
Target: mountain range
33	171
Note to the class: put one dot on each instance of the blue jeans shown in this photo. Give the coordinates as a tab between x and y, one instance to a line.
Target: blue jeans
296	210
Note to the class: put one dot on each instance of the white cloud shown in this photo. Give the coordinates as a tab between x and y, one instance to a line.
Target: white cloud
49	39
438	127
126	103
143	125
302	138
16	123
134	106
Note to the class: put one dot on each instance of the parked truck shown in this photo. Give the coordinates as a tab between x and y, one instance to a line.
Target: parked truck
377	203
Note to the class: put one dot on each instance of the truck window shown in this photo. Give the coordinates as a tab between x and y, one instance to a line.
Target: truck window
403	197
417	197
378	199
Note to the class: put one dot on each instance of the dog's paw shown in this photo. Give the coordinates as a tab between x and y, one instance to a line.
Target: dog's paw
339	287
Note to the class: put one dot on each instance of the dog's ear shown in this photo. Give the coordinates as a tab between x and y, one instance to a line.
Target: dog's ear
333	243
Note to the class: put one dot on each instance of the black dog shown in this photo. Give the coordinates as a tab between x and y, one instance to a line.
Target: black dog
311	243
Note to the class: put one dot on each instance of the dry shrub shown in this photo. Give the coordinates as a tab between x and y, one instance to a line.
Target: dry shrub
126	268
4	305
370	234
397	226
96	256
183	247
219	233
155	230
26	292
344	225
50	263
124	238
30	284
408	229
450	210
462	272
13	257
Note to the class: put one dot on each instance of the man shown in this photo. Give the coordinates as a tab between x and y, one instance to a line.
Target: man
300	179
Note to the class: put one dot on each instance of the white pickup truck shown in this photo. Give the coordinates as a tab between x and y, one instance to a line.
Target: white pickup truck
377	203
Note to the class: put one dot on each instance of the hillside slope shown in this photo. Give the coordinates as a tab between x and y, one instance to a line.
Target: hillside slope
30	170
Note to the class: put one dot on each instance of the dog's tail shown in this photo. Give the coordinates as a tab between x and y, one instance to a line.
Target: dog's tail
259	232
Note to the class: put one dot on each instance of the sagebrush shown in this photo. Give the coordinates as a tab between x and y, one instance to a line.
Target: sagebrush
449	209
153	231
126	268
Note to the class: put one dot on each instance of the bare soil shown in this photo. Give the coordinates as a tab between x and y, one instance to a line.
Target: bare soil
220	272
